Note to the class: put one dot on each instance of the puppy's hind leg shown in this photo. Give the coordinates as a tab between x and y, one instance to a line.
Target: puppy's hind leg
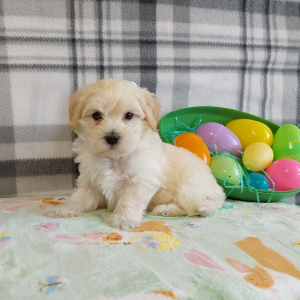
168	210
203	200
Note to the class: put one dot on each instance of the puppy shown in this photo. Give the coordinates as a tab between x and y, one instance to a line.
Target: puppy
124	166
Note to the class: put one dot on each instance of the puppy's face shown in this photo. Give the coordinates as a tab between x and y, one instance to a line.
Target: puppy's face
111	116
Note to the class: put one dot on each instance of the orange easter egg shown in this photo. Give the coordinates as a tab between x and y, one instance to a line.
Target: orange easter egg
195	144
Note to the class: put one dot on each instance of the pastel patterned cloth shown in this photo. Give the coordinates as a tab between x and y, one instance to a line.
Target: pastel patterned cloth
250	251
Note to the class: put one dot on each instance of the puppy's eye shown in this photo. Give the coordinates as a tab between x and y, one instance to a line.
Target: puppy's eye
128	115
97	116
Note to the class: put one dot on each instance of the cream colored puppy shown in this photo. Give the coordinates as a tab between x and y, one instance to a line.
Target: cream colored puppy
124	166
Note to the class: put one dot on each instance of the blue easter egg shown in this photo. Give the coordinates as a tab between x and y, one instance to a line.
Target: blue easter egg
258	181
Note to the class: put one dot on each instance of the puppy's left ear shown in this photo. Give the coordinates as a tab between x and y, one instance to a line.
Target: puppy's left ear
151	109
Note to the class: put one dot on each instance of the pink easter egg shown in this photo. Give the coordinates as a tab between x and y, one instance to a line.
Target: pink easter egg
285	173
220	138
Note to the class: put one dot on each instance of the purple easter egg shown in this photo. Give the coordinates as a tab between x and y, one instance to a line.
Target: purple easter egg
217	136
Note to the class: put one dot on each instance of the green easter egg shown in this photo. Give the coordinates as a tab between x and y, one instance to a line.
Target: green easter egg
223	166
287	142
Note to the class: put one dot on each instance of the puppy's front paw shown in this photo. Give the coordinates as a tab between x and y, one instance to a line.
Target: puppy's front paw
122	223
60	212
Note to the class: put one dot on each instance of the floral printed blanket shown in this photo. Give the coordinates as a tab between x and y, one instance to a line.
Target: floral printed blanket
251	251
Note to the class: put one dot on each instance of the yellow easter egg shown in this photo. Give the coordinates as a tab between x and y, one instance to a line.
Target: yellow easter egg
250	131
258	156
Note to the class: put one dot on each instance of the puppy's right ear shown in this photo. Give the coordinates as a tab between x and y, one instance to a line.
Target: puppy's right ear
75	109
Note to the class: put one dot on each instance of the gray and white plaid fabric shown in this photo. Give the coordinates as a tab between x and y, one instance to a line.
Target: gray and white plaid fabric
241	54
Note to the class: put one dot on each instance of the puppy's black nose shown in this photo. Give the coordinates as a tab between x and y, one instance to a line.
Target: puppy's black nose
112	138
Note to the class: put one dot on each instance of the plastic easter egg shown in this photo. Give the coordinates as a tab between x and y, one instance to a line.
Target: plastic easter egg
193	143
287	142
258	181
250	131
285	173
218	137
257	156
223	166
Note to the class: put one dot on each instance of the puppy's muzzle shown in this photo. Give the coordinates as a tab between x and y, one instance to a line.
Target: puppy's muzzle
112	138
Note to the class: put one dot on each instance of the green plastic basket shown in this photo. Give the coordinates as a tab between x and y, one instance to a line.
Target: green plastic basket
223	116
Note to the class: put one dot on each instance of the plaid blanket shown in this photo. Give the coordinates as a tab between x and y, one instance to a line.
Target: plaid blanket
237	54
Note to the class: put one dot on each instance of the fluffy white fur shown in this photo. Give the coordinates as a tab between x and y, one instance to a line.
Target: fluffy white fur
139	172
